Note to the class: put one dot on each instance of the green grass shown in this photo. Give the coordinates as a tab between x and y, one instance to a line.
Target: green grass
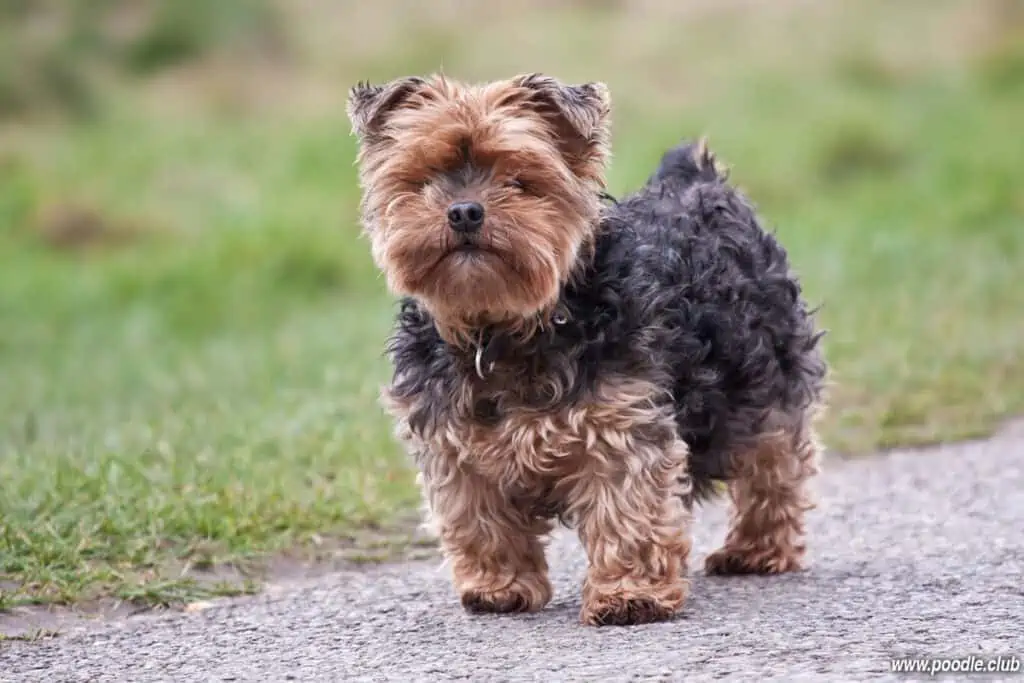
203	391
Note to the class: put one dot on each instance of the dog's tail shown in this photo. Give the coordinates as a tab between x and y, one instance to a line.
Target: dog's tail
686	164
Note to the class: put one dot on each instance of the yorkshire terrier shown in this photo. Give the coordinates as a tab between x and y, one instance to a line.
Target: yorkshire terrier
559	356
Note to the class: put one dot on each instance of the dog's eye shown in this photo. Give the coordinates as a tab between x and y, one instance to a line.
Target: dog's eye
420	182
516	184
425	176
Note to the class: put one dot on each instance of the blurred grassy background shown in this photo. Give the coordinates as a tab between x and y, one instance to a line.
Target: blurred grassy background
191	328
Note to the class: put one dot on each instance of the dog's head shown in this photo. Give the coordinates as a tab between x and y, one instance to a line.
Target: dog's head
479	199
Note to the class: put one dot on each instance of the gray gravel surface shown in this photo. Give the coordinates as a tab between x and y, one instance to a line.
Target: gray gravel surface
912	553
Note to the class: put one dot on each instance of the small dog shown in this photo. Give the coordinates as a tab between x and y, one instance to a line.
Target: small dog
559	356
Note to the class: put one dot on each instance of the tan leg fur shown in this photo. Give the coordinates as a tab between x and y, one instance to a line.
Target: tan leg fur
769	498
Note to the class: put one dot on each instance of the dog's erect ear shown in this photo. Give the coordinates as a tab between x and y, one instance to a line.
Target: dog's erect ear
580	115
369	105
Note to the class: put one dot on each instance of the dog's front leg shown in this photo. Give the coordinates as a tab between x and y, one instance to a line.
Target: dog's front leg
628	503
495	550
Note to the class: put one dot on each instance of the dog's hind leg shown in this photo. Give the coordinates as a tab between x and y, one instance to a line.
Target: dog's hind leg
768	487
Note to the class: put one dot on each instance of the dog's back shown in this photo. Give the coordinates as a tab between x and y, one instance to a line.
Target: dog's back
726	318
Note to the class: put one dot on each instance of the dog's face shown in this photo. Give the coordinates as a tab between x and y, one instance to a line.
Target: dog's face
478	199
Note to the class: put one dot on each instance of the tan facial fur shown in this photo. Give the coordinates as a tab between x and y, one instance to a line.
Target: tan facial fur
530	150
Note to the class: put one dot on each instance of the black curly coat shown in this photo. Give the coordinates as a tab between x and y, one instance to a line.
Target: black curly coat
685	290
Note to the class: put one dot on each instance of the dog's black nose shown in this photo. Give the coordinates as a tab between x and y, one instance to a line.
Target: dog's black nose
466	217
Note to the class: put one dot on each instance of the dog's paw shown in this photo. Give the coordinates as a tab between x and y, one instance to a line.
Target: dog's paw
730	561
625	612
501	602
516	597
629	609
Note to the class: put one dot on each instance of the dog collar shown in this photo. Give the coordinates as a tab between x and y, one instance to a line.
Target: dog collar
488	350
479	361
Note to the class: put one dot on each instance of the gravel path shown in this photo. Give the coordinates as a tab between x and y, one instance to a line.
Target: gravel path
913	553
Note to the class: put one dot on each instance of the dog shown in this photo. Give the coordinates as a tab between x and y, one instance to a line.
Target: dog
559	357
